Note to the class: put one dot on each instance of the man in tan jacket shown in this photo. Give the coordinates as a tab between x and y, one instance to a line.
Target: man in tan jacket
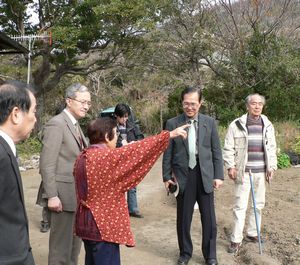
63	140
250	146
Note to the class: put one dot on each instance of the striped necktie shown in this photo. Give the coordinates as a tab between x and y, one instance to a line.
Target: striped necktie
77	129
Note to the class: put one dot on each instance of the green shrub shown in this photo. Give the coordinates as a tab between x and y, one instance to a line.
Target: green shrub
283	160
29	147
222	133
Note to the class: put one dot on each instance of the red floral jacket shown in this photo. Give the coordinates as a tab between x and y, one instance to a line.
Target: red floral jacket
110	173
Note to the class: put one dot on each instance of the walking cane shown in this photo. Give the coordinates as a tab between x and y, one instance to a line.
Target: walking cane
255	213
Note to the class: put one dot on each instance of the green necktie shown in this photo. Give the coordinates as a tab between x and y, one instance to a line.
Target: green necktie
192	145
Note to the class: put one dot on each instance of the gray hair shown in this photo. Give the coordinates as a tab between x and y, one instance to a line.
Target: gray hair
248	98
72	89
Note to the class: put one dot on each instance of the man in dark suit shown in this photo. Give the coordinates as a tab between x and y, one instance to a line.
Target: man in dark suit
63	140
196	164
17	119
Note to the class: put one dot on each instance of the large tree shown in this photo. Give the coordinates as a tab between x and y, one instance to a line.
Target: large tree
87	35
256	54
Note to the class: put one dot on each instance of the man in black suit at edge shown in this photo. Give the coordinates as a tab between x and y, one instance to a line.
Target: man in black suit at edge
196	164
17	119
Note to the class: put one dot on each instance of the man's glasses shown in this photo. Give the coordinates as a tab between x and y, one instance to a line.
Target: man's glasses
83	102
192	105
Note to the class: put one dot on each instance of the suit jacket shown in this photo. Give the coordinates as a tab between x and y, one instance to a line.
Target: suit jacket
61	145
176	157
14	236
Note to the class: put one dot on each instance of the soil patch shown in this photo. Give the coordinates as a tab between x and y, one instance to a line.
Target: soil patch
156	235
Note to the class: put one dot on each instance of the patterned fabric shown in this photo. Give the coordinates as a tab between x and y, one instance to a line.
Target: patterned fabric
85	225
110	174
256	154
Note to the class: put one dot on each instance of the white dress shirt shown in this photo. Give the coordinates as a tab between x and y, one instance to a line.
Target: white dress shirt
9	141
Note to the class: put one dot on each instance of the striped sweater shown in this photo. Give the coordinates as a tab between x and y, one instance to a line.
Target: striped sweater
256	155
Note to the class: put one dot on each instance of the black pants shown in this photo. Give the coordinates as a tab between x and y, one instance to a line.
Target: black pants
101	253
193	192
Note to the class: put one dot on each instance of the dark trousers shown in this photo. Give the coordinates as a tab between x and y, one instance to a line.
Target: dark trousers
193	192
101	253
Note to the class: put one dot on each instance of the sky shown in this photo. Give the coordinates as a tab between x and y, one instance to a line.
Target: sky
34	18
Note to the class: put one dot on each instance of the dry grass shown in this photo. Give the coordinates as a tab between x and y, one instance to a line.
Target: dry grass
287	134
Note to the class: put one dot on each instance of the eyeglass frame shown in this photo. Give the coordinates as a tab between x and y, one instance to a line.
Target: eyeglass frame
83	102
188	104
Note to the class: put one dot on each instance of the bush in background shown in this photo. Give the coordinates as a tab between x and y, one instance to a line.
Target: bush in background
29	147
286	135
283	160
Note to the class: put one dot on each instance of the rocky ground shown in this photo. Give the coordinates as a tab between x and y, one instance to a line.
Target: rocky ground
156	237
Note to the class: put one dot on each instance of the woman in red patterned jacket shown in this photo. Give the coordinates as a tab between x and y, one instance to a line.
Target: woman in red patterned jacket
103	175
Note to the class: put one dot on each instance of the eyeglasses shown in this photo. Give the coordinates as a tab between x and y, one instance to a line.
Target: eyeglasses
83	102
260	104
192	105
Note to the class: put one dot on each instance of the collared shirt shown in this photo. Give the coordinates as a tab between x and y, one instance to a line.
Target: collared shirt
9	141
73	120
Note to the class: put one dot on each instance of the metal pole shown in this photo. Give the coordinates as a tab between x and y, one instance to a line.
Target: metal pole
29	61
255	213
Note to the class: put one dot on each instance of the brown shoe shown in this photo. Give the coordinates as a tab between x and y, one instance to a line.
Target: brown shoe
234	247
254	239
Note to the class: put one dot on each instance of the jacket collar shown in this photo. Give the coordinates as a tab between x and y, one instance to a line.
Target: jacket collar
243	120
15	167
71	127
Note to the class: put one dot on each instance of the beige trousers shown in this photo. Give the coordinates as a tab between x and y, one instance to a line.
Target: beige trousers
241	199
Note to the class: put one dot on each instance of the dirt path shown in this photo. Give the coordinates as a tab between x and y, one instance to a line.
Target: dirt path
156	236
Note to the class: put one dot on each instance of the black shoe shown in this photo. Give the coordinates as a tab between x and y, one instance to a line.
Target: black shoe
211	262
44	227
182	261
136	215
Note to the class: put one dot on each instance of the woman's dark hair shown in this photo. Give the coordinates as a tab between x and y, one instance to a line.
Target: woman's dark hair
13	94
97	129
188	90
121	110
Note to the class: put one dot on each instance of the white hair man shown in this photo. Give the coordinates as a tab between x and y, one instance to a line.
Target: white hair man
250	146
